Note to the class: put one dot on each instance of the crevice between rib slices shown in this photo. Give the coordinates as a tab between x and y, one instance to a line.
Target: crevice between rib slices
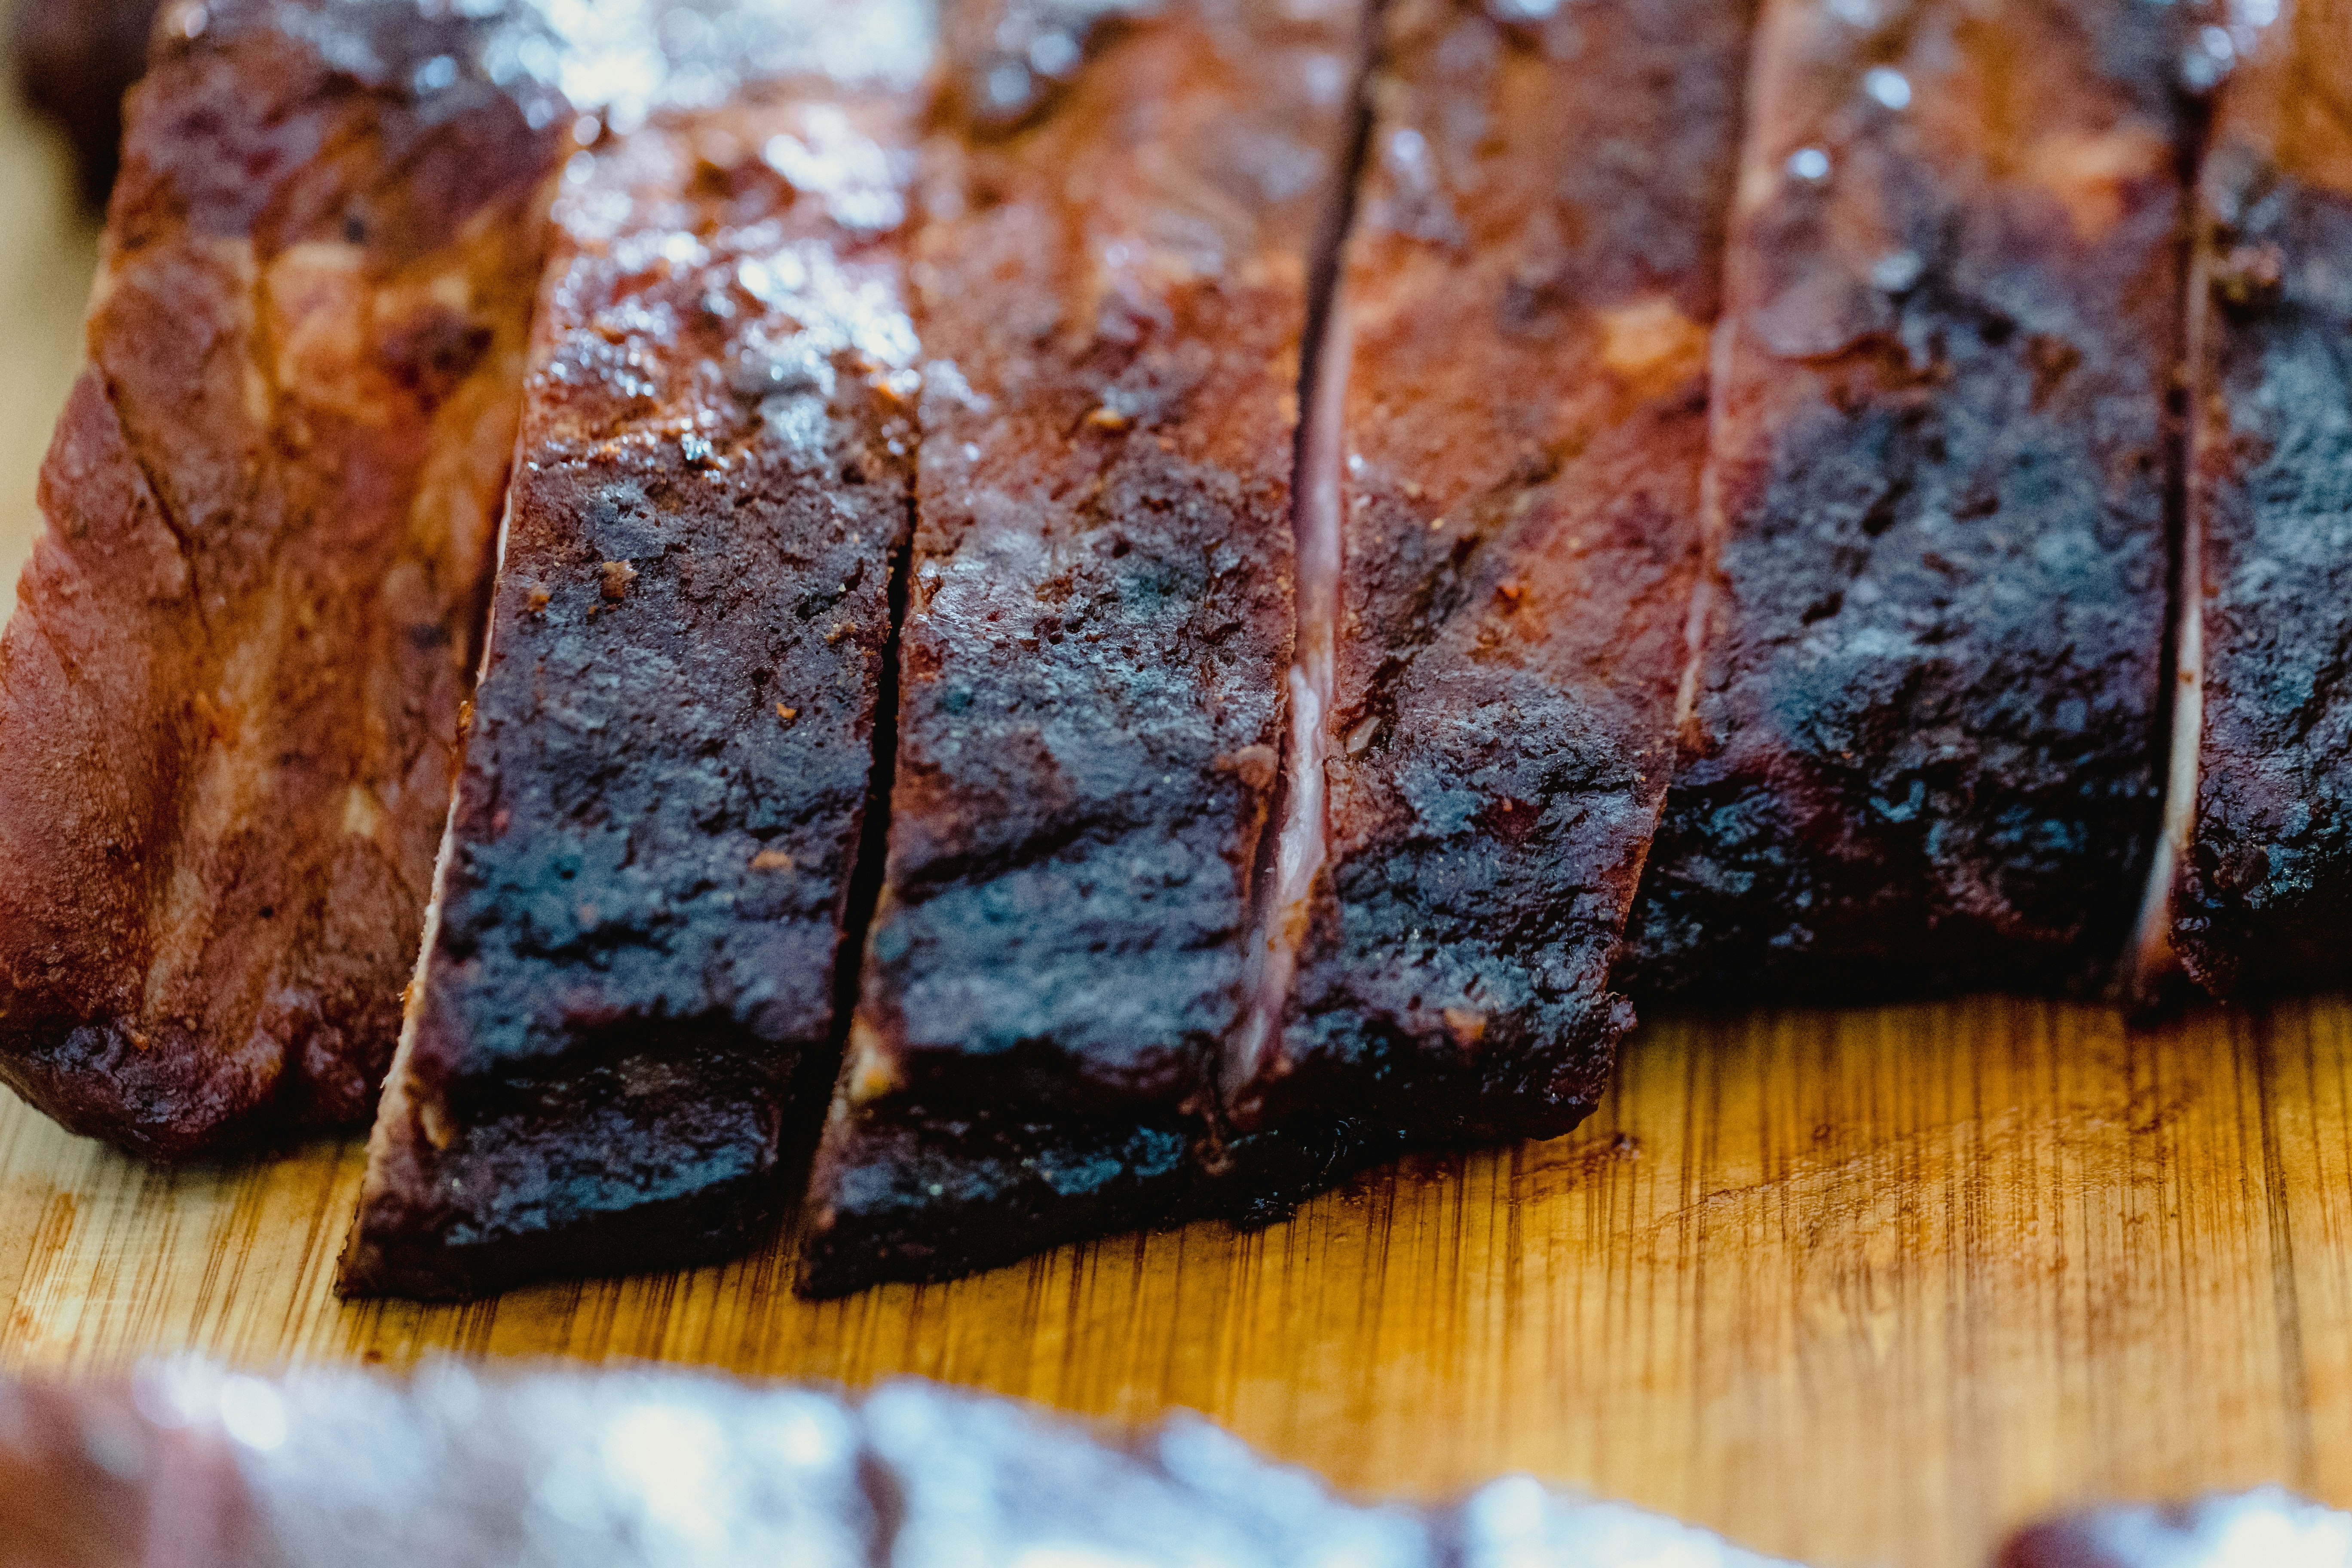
2151	971
1301	838
1299	843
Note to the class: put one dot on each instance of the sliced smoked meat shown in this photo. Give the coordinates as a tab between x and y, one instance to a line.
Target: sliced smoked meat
229	693
2264	896
1922	754
1529	290
658	821
1112	285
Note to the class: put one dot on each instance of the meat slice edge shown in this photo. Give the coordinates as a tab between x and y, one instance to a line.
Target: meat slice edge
1113	279
1924	741
229	694
2263	890
631	966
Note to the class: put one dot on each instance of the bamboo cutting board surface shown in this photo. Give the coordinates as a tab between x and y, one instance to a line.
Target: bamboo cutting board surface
1861	1288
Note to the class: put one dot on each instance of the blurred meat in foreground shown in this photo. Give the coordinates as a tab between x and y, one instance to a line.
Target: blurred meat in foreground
186	1465
191	1467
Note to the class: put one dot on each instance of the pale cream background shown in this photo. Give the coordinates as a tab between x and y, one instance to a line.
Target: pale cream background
47	247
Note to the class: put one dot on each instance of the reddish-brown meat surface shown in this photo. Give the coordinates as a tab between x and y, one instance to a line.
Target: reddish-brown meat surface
1531	284
1112	290
2265	893
666	781
1923	755
229	693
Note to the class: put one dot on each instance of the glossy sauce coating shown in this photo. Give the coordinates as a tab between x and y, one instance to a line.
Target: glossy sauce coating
666	781
2265	899
1922	745
230	693
1112	284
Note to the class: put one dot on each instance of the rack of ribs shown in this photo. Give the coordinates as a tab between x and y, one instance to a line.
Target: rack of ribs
2260	800
1509	494
633	952
1112	278
1921	745
1135	588
230	689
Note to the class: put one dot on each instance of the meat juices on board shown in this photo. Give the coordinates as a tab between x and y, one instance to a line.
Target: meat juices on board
230	693
659	817
1922	755
2262	803
1112	289
1519	430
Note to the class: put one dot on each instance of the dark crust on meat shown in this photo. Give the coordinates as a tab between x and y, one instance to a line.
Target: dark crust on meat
229	695
658	820
75	59
1099	608
2266	899
1532	279
662	1157
911	1191
908	1192
1924	758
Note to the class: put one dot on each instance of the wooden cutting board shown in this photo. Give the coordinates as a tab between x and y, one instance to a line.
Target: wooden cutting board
1861	1288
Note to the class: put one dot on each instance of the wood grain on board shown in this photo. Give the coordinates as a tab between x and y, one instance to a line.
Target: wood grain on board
1863	1287
1860	1287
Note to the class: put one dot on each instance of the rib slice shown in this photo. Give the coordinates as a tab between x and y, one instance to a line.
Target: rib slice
2264	900
1922	752
658	822
229	693
1530	283
1112	287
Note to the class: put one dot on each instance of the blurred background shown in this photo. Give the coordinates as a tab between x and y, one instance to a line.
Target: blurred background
48	247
